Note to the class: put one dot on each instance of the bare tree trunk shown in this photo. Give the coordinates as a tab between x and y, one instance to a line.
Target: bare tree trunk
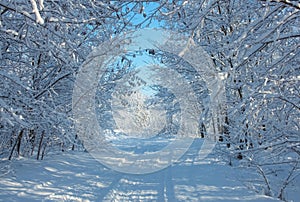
73	146
40	145
43	153
32	140
17	143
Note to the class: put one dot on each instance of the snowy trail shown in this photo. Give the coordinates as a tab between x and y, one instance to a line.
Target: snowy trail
76	176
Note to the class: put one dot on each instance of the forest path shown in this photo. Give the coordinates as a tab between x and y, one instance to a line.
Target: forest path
77	176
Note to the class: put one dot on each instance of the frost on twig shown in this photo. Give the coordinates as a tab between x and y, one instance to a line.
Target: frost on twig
35	9
41	4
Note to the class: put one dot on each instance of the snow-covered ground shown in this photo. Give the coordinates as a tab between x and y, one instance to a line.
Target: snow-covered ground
77	176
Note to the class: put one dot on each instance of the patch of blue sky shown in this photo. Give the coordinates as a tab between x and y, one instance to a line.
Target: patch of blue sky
144	14
143	41
142	20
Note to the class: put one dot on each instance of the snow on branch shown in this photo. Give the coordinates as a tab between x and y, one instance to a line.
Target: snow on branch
292	3
39	19
41	4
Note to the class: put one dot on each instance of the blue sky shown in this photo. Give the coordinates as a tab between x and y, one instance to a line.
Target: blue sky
149	9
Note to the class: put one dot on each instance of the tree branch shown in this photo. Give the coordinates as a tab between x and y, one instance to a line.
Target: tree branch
286	2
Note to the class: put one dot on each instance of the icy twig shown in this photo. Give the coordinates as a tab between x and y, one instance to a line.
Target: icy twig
39	19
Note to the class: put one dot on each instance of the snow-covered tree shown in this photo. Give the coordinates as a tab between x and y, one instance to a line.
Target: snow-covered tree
42	45
253	43
256	45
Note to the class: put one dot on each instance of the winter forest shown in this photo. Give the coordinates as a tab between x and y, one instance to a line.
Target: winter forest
254	45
